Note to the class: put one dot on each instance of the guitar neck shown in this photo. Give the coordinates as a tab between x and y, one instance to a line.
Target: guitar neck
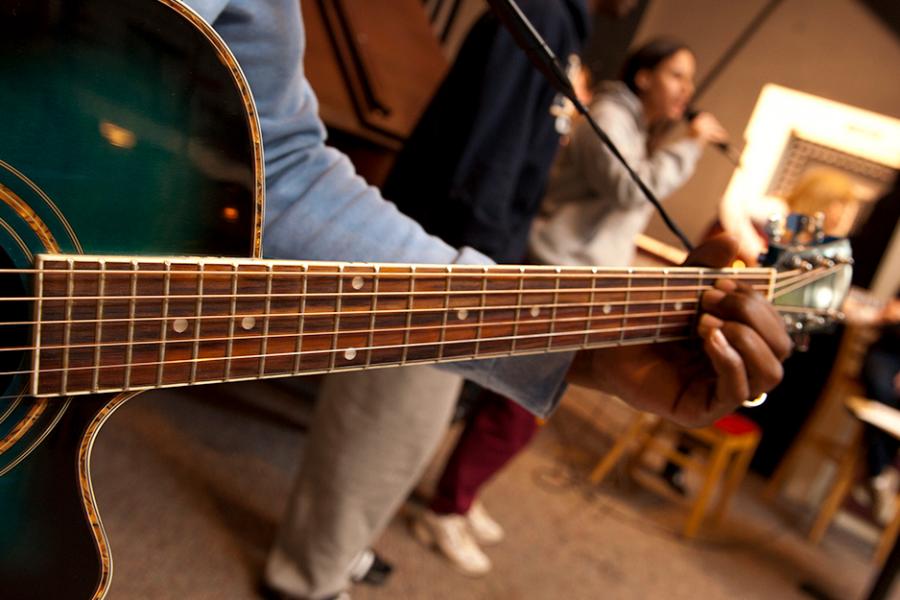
106	324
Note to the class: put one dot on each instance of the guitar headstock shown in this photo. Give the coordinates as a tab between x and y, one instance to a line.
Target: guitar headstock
813	274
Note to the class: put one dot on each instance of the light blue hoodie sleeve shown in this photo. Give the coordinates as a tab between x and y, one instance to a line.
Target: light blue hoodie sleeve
318	208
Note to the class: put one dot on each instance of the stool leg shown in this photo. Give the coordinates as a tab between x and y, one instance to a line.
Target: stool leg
842	482
647	439
717	463
612	457
736	473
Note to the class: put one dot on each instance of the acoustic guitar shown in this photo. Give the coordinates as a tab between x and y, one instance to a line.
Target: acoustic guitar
131	199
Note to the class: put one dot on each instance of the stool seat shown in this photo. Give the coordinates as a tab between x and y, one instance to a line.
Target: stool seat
736	424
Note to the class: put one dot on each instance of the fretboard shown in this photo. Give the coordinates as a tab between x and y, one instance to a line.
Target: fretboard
106	324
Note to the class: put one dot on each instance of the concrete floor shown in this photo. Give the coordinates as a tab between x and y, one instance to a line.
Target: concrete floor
191	484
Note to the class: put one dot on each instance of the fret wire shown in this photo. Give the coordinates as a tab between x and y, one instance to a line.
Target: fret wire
229	343
663	300
98	330
301	318
337	318
590	308
38	316
696	319
375	277
649	339
266	319
625	307
553	310
131	312
198	311
446	312
67	328
362	331
518	309
410	306
362	312
164	323
481	312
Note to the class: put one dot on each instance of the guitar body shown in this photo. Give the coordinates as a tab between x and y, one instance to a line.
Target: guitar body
128	130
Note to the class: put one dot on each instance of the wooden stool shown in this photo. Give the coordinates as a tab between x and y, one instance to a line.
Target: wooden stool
818	436
732	440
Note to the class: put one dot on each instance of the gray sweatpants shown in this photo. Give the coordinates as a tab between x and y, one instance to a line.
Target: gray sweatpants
371	437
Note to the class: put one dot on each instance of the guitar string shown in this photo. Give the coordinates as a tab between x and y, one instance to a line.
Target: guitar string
411	329
813	278
681	275
440	312
361	366
538	336
422	272
760	286
366	311
820	272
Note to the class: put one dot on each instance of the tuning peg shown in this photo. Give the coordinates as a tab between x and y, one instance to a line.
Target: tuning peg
774	228
817	227
798	263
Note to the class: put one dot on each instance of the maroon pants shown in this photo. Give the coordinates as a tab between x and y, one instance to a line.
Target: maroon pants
496	433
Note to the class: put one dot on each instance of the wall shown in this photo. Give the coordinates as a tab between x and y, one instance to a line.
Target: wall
836	49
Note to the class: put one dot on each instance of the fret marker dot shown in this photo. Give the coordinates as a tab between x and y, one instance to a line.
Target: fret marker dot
462	314
180	325
350	353
679	306
535	311
607	309
247	323
357	283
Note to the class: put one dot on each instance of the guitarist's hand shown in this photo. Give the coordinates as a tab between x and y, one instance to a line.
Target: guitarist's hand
739	354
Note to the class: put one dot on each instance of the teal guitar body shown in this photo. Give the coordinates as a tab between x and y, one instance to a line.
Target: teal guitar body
128	130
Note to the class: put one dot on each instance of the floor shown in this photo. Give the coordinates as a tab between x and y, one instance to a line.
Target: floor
191	484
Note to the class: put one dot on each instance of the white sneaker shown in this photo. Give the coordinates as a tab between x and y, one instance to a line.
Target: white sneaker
483	526
450	534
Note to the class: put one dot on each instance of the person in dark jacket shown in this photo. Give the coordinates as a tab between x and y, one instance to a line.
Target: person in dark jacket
473	173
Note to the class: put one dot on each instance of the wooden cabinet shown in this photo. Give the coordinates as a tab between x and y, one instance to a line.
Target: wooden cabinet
374	65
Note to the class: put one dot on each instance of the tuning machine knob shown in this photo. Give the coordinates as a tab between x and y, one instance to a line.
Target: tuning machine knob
798	262
775	228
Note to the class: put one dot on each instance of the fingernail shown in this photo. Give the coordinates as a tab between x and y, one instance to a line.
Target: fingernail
726	285
718	340
711	298
707	324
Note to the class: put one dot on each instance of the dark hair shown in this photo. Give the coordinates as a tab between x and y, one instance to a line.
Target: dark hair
648	56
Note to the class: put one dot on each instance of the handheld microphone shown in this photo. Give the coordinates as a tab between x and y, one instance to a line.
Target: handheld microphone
724	147
542	57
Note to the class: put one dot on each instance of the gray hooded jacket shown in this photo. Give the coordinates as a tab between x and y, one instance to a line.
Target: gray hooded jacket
593	210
